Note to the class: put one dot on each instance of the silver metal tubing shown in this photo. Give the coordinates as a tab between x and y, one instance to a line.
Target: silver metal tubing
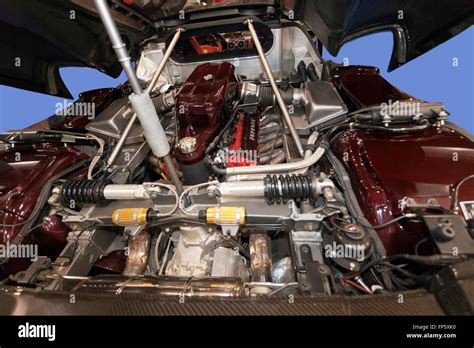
236	178
209	287
121	140
242	189
174	175
278	168
124	59
275	89
238	172
149	89
118	44
163	62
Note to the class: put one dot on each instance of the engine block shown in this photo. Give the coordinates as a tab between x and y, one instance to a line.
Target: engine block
203	106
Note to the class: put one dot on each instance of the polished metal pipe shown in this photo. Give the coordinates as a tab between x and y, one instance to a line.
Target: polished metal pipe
173	174
141	103
117	44
118	146
149	89
260	260
276	91
164	60
242	189
278	168
223	287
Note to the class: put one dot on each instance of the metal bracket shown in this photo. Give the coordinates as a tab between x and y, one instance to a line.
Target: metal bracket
28	277
448	230
316	278
230	230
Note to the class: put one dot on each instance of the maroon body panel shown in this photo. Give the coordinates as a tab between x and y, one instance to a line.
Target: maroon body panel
362	86
202	105
386	168
24	170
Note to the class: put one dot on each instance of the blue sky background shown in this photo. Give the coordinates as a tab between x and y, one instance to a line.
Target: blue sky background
431	77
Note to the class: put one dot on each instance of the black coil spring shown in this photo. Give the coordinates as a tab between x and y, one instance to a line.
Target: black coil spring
281	188
83	192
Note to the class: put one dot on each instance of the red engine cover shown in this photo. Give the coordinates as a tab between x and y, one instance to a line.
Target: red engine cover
203	105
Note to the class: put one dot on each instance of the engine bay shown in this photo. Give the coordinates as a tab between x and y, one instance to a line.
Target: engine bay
248	174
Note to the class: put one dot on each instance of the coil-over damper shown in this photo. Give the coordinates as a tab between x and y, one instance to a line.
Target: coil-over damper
83	192
282	188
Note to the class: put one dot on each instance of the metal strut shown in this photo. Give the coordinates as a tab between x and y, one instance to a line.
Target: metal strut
276	91
153	130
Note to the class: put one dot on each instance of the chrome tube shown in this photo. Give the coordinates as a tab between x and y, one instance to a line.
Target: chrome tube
236	178
276	91
167	286
149	89
163	61
242	189
260	261
277	168
117	44
118	146
158	141
124	59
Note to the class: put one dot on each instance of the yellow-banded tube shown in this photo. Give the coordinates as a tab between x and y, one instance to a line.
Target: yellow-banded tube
130	216
225	215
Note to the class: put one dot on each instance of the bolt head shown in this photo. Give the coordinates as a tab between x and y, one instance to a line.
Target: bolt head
187	144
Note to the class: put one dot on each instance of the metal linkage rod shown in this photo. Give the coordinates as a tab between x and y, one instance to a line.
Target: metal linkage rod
117	44
149	89
141	102
276	91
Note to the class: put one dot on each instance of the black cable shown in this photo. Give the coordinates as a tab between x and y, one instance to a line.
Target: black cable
351	234
400	269
385	224
215	141
417	245
217	170
438	260
424	124
356	211
235	243
335	129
